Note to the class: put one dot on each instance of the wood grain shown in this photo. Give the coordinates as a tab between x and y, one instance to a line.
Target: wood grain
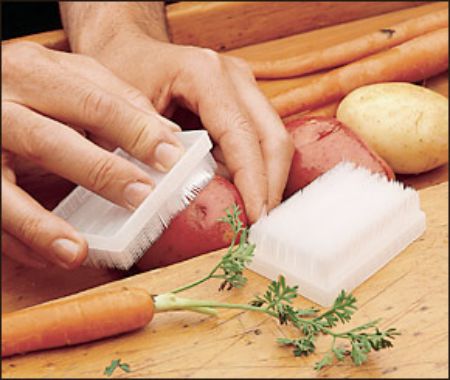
410	293
224	25
227	25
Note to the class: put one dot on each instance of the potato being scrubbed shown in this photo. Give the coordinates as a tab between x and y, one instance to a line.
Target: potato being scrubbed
406	124
322	142
196	229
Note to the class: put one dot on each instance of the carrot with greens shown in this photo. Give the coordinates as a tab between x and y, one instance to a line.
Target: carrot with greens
91	316
85	318
351	50
417	59
75	320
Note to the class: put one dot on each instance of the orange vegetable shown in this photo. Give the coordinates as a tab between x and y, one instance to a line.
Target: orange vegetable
417	59
352	50
75	320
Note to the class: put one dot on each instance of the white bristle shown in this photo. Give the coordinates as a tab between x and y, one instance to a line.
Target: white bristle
117	237
336	232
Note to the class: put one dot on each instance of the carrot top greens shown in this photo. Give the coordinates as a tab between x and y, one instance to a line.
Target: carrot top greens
277	301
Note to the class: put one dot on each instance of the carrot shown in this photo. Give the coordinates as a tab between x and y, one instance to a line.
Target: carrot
352	50
75	320
411	61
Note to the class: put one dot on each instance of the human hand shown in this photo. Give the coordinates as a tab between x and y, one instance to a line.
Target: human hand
221	89
43	92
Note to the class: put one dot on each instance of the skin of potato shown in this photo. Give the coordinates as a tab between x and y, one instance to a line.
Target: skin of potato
406	124
196	230
321	143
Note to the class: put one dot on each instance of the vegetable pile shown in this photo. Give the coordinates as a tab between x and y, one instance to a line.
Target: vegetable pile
409	51
352	50
76	320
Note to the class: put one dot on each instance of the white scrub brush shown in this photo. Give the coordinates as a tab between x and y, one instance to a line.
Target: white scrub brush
117	237
336	232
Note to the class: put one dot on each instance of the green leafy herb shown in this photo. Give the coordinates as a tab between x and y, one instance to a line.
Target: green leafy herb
277	301
326	360
116	363
278	298
342	310
302	346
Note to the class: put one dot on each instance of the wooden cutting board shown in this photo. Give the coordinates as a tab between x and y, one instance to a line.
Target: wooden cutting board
410	293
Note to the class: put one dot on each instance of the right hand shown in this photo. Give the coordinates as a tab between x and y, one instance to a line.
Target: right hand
45	91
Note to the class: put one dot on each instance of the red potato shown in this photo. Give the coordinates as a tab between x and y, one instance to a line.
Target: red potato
320	143
196	230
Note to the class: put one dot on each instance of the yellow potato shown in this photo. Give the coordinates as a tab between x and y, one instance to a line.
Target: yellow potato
406	124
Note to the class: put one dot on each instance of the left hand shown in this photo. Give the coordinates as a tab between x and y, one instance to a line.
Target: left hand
223	92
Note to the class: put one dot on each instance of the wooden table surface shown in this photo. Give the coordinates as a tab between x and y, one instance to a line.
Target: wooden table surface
410	293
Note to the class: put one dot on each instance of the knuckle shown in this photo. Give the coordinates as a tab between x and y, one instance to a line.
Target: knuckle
97	108
241	124
136	98
32	139
145	139
284	141
210	60
241	65
101	172
23	49
39	142
88	60
240	133
29	230
136	140
8	114
18	55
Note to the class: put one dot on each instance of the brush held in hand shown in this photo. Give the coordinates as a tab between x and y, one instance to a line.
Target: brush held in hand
118	237
337	232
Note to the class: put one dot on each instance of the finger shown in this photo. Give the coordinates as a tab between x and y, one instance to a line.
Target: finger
223	171
242	156
53	238
213	98
277	145
218	154
76	100
20	253
101	142
7	166
97	74
63	151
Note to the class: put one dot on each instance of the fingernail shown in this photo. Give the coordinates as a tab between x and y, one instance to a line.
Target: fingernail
167	155
66	251
263	211
135	193
169	123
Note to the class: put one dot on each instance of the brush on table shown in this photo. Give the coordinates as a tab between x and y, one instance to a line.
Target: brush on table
337	231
